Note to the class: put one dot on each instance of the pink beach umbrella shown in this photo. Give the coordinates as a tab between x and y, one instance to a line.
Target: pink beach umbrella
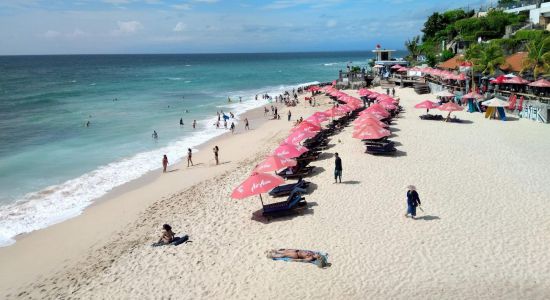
257	184
450	107
395	67
368	114
540	83
388	106
313	88
472	95
371	133
427	105
364	92
307	126
290	150
274	163
299	135
377	108
516	80
360	123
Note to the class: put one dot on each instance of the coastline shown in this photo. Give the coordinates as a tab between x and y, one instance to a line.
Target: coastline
124	203
470	242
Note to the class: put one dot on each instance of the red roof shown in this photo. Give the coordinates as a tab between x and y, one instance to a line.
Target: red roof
452	63
514	62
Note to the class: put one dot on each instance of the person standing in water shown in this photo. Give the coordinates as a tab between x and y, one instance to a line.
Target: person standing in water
155	135
216	150
413	200
181	122
164	163
194	124
337	168
189	157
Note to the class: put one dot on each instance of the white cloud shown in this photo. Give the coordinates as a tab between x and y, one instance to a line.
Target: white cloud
182	6
179	27
52	34
331	23
76	33
128	27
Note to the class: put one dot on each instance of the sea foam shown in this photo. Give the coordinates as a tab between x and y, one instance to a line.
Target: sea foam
60	202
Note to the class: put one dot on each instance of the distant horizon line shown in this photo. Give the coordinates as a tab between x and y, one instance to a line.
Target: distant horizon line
192	53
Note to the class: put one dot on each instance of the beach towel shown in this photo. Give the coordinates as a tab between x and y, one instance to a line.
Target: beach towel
315	262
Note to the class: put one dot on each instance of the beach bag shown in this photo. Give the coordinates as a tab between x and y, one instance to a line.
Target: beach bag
181	240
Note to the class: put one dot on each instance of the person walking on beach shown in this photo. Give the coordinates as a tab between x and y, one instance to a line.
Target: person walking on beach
225	123
164	163
393	92
412	201
216	150
337	168
232	127
189	157
246	125
289	115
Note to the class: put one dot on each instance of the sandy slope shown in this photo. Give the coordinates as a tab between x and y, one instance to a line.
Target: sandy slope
485	232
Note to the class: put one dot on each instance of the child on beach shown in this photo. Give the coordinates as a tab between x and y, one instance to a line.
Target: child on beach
164	163
189	157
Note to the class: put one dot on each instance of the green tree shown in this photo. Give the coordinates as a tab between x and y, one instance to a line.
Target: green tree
414	48
446	55
538	57
486	58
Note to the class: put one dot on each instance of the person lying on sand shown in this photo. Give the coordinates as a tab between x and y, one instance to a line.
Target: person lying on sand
298	255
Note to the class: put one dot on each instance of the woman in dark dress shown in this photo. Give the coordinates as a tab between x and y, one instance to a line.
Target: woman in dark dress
412	201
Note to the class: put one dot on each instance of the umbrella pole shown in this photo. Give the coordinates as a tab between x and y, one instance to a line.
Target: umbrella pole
261	200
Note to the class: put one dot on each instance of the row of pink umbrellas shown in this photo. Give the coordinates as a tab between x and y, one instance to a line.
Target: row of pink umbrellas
284	155
502	79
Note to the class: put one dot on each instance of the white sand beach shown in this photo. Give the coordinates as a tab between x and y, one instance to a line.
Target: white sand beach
484	232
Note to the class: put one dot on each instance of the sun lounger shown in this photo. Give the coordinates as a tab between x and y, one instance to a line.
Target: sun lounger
386	149
432	117
379	143
302	172
293	203
286	189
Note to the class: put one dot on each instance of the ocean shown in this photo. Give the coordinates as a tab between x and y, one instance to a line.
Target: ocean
52	165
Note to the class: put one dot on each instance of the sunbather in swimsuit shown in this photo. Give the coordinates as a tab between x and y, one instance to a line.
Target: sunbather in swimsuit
296	254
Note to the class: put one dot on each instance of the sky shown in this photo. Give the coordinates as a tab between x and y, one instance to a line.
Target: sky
211	26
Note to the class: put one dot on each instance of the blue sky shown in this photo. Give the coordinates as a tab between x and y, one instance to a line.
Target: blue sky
210	26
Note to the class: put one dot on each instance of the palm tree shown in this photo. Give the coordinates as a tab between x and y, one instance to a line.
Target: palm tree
413	46
486	58
538	56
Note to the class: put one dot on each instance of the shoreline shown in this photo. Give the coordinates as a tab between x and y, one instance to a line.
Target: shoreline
119	207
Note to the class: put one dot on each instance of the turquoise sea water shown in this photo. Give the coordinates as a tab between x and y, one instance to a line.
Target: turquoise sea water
52	166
